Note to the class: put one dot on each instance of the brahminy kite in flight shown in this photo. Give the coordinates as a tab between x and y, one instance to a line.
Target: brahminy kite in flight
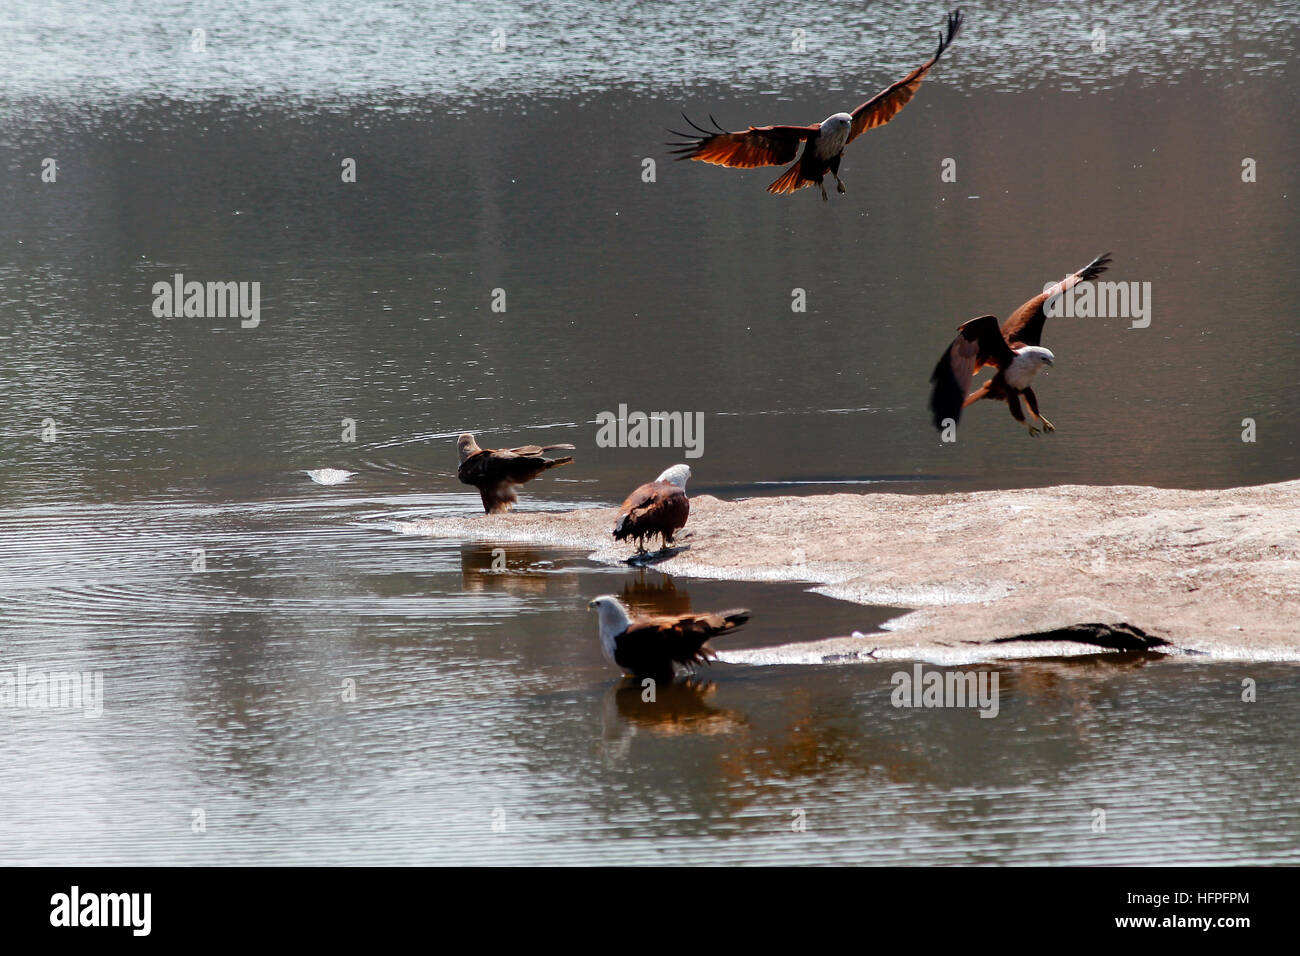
496	472
650	646
658	507
824	142
1013	349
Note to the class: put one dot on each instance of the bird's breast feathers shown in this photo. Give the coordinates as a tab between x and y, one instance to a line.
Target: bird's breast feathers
1020	373
609	644
830	145
833	136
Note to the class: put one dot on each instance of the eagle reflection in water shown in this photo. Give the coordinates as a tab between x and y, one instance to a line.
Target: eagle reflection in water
516	569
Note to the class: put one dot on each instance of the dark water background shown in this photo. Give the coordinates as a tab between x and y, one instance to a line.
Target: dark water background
521	169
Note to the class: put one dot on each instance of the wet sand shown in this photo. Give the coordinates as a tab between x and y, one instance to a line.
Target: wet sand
991	575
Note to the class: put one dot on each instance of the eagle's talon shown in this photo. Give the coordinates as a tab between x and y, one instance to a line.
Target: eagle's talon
825	198
839	186
1013	347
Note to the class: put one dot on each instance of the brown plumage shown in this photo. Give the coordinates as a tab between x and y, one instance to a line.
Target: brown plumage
824	142
1014	349
658	507
497	472
650	645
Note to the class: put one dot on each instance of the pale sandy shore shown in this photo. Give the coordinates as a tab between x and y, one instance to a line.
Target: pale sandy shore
992	575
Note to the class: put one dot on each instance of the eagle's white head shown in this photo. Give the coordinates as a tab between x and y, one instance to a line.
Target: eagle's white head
836	123
833	135
614	620
1029	359
466	446
1037	355
676	475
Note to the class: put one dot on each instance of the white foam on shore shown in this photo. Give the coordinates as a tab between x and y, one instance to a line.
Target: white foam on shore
946	656
814	652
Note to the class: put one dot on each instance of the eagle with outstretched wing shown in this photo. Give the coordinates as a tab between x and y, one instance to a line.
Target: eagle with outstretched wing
823	143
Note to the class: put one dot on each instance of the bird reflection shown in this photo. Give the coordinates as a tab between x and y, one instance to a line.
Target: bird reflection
797	735
652	592
664	709
515	568
667	710
1056	682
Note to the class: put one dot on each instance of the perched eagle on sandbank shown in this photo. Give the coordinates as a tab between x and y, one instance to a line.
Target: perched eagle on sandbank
650	646
1013	349
658	507
496	472
824	142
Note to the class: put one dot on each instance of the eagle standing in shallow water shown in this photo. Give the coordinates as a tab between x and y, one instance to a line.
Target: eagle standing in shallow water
497	472
824	141
650	646
658	507
1013	349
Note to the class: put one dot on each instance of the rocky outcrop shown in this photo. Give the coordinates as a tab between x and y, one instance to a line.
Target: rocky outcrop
1029	572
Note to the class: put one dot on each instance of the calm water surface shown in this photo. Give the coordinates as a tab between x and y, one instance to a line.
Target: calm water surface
485	726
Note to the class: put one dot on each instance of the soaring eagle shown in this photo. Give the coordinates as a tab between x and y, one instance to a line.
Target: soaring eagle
658	507
824	142
1013	349
649	646
496	472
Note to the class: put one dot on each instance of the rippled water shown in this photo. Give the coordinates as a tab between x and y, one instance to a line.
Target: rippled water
171	539
335	51
486	727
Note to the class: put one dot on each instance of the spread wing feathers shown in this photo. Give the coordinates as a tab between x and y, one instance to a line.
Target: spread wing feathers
792	180
745	149
651	642
496	472
1025	326
657	507
979	342
884	106
532	451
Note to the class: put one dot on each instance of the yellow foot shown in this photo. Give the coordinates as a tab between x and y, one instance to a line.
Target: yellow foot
1047	426
1033	432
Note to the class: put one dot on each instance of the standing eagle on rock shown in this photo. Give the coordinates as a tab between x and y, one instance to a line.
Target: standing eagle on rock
658	507
497	472
824	142
1013	349
650	646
